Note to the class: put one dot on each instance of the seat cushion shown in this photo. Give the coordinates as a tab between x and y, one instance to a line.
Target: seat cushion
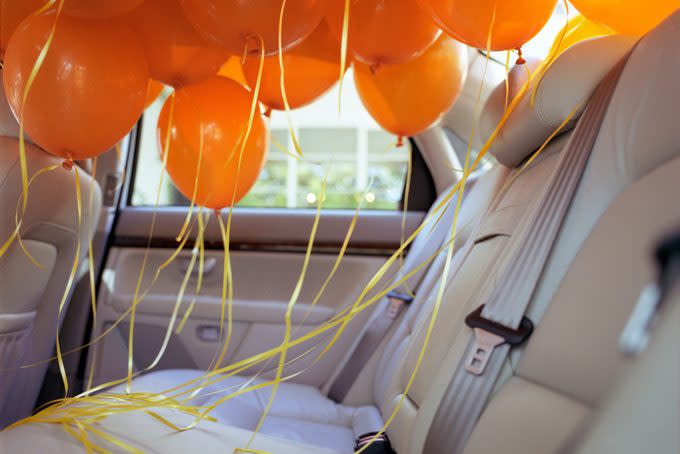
299	412
145	433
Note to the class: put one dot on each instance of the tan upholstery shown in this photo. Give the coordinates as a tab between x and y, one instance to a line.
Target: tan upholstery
209	438
598	266
564	88
625	202
301	412
29	296
639	414
491	245
610	170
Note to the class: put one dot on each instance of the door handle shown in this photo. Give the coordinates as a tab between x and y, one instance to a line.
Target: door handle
209	264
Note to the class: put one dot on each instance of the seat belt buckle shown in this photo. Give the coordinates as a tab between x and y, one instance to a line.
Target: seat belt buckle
397	301
635	335
380	444
489	335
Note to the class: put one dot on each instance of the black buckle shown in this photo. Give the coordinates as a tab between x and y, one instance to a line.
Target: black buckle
511	336
403	297
668	260
381	444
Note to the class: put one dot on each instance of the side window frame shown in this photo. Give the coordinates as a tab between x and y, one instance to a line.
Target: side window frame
376	231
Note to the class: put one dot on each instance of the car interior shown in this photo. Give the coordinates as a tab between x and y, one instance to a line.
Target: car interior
504	279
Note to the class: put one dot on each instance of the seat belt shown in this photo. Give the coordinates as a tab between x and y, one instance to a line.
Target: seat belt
368	343
378	443
397	300
500	323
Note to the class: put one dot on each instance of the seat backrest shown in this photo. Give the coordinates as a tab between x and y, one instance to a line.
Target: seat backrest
560	92
434	235
30	296
600	260
636	415
475	203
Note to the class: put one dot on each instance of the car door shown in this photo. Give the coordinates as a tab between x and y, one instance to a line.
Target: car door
269	237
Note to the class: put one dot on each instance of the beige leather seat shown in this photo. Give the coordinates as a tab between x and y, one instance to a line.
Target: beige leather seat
302	413
635	416
597	267
29	296
600	262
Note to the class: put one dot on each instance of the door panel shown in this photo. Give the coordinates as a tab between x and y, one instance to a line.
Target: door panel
269	235
264	282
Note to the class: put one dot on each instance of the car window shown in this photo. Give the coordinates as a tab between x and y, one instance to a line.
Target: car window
347	147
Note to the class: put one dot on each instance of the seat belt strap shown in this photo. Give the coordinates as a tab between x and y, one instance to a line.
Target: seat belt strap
397	301
476	375
368	343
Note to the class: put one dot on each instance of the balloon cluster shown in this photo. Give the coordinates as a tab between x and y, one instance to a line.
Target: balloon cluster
79	73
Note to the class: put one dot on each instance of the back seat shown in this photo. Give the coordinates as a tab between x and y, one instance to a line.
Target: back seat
563	87
597	267
301	412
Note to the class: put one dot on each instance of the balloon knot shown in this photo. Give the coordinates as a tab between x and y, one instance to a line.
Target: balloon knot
520	59
250	47
375	67
268	112
218	212
400	141
67	164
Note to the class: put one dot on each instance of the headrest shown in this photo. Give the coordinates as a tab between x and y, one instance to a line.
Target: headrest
9	127
568	82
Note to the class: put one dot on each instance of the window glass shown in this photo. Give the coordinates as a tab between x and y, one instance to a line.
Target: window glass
330	154
385	164
348	149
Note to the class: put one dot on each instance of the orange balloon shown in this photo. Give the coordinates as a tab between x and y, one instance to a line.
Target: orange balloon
12	12
408	98
310	69
238	25
233	70
384	31
176	54
153	92
93	9
491	24
89	91
631	17
214	111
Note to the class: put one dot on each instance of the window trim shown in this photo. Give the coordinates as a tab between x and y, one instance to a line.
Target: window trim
133	160
377	232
